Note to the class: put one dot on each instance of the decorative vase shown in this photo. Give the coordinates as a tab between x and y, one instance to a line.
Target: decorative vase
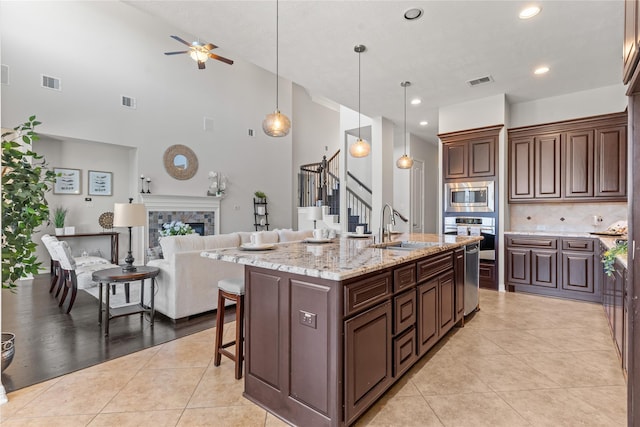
8	349
59	231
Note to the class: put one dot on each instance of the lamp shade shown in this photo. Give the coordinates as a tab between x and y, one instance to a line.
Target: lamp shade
360	148
314	213
404	162
276	124
129	215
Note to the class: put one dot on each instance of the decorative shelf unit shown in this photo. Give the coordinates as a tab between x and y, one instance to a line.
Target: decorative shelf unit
260	214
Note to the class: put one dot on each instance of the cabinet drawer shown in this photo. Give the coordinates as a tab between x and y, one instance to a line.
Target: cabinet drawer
533	242
578	245
404	352
404	277
404	311
366	293
434	265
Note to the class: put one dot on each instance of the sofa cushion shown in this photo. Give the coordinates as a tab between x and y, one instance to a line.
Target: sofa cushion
267	236
217	241
289	235
172	244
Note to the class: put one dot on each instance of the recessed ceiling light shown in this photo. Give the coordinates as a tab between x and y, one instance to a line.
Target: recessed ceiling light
529	12
416	101
413	13
424	123
541	70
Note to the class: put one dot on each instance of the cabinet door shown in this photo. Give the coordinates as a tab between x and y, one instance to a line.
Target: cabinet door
482	157
544	268
518	266
458	272
521	166
577	271
446	302
455	159
547	166
611	162
428	332
368	358
630	52
578	162
618	309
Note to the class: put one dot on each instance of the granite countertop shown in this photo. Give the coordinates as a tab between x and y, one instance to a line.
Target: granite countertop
341	258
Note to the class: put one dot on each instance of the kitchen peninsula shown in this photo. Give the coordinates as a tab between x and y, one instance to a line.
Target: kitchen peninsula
329	327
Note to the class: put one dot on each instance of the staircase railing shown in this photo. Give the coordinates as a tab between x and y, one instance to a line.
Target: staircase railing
321	182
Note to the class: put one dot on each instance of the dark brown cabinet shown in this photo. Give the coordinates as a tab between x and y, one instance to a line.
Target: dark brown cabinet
631	39
428	315
575	160
470	153
561	267
615	304
458	274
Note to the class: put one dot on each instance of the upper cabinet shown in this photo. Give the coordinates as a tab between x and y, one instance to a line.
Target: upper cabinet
574	160
631	39
469	153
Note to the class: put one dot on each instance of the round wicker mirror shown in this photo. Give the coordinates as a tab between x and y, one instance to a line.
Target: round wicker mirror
180	162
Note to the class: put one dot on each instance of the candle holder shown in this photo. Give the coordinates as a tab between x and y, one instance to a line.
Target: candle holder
148	185
142	183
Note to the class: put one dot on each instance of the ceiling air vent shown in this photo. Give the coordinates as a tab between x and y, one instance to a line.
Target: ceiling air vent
51	82
4	75
128	102
480	80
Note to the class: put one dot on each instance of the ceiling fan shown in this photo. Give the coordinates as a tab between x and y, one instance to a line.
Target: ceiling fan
199	52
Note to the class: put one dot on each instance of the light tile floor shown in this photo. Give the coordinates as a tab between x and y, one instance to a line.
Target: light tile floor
522	360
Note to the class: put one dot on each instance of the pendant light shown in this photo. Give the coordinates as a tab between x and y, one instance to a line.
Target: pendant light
405	162
276	124
360	148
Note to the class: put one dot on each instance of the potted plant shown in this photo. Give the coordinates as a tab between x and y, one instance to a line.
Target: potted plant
25	181
260	196
59	215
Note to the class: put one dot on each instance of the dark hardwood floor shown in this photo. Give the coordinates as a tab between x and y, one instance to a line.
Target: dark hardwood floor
50	343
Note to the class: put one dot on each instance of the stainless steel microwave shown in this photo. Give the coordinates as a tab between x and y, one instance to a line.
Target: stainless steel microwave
476	196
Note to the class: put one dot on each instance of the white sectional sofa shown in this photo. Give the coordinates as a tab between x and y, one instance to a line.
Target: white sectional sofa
188	283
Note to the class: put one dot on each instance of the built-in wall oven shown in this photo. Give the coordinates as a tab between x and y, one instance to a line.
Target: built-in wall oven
475	196
478	226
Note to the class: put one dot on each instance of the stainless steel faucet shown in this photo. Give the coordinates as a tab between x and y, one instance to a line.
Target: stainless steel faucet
385	230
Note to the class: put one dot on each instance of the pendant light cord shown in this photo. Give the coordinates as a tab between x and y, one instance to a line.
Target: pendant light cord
405	118
359	113
277	52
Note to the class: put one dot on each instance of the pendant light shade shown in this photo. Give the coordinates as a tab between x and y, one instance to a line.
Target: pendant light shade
360	148
276	124
405	162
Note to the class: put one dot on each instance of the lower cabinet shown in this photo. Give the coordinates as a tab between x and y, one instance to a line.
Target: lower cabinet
427	315
458	274
556	266
368	358
615	305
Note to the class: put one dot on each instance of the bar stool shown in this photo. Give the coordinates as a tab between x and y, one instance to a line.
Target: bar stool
230	289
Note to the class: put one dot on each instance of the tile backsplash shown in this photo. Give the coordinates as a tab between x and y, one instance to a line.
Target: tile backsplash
565	216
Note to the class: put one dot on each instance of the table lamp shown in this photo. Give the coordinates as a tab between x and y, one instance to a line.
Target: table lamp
314	213
129	215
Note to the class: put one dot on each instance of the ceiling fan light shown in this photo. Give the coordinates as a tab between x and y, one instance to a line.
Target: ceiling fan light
276	124
360	148
198	55
404	162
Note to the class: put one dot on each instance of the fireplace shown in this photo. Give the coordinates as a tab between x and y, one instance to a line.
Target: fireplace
202	213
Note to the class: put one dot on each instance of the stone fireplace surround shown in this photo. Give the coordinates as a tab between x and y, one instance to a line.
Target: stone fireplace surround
166	208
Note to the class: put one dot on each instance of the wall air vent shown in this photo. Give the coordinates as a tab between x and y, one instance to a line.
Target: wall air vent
128	102
479	81
51	82
4	75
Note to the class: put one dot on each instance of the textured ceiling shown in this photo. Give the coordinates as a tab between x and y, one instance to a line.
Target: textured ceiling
455	41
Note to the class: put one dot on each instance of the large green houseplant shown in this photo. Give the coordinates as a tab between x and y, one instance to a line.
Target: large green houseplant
25	181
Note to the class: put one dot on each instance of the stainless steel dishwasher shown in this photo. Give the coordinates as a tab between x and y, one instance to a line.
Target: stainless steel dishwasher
471	277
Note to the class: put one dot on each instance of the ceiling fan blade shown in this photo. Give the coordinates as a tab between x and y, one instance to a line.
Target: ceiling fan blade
176	53
180	40
200	65
209	46
220	58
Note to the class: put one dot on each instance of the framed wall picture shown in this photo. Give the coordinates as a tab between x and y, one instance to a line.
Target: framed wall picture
100	183
67	181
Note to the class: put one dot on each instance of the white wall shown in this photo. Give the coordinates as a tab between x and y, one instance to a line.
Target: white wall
428	153
102	50
602	100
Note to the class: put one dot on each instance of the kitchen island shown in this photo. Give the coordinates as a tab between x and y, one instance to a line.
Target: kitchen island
329	327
